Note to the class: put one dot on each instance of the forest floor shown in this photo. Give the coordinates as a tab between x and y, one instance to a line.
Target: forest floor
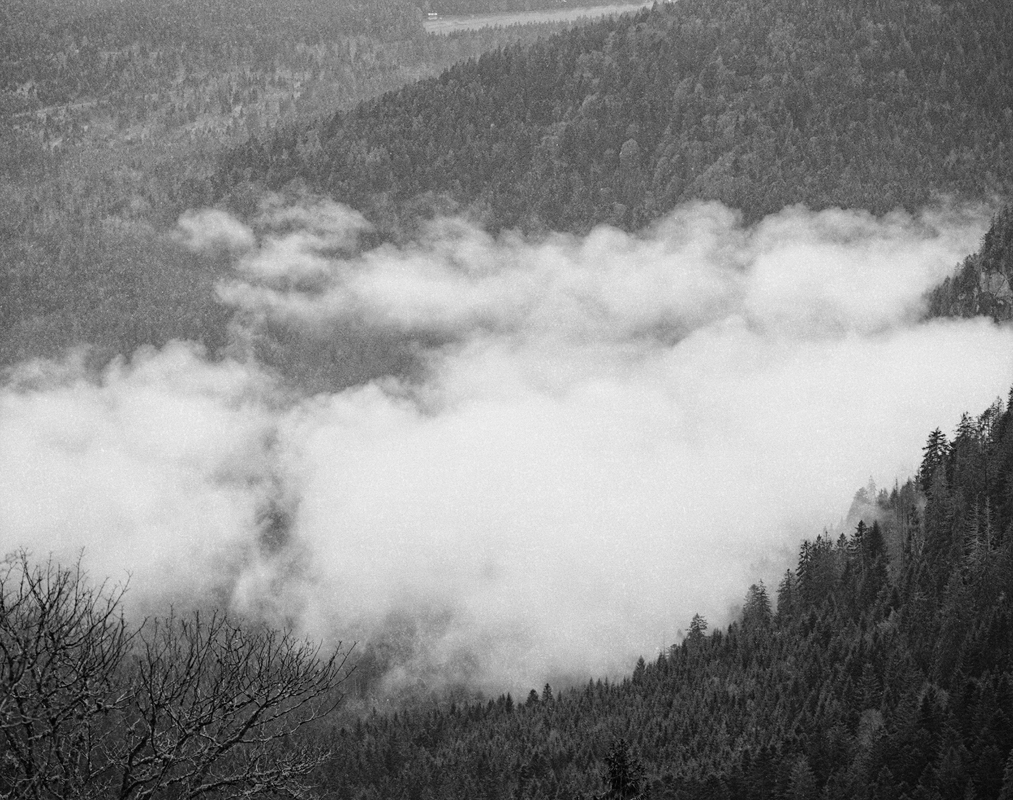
449	24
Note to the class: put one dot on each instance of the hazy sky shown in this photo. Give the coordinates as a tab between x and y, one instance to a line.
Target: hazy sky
600	437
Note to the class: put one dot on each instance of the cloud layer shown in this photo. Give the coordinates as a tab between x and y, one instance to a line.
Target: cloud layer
598	436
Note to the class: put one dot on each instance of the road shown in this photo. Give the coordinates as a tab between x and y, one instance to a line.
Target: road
476	21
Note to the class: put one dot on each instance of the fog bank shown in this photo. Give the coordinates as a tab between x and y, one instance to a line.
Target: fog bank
581	442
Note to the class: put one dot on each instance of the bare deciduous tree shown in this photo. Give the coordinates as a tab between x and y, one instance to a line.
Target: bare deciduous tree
62	644
216	708
184	707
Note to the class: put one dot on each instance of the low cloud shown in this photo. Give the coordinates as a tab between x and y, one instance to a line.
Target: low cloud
594	438
211	229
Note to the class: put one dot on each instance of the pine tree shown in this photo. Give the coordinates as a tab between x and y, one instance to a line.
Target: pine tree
1006	792
875	544
786	596
624	774
756	612
802	782
936	451
696	628
638	671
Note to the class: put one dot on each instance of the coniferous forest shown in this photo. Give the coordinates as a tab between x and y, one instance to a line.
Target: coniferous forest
116	120
879	666
757	104
113	117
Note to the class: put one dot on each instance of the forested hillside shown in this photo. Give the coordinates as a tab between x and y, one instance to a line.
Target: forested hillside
884	672
880	666
982	284
759	104
134	70
111	118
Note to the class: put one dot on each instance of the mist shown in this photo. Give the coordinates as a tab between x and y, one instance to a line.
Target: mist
547	455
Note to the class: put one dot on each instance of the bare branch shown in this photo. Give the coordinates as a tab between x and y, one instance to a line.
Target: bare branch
186	706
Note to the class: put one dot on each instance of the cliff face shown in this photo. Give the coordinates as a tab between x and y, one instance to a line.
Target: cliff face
982	287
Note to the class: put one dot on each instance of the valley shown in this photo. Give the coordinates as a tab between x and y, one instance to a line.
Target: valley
605	402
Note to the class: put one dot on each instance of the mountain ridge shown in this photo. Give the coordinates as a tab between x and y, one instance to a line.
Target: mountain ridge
758	105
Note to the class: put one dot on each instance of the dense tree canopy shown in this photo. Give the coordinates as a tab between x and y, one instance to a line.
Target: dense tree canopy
111	117
755	103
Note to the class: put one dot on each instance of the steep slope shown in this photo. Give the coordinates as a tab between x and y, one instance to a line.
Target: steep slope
757	104
884	673
984	284
112	113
